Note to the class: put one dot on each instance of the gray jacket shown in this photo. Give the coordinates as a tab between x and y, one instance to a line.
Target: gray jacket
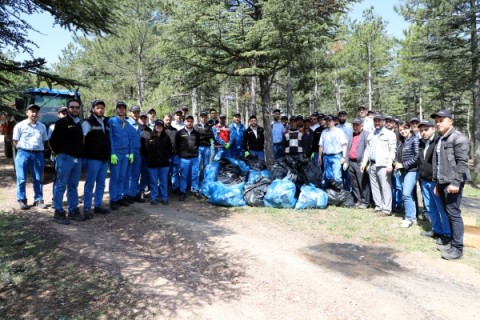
455	149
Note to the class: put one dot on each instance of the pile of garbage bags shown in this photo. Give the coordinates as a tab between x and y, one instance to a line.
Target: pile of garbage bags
291	183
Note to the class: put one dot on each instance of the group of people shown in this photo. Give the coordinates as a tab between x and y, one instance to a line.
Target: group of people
378	158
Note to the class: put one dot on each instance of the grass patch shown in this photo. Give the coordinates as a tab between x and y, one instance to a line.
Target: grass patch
358	226
471	191
42	280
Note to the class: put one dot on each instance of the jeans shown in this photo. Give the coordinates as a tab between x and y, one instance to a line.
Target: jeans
133	175
144	175
25	161
118	176
333	169
174	171
96	176
277	150
187	164
409	183
397	189
258	154
434	207
451	203
67	171
158	180
203	156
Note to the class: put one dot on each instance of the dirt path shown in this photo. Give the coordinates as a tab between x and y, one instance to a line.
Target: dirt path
192	260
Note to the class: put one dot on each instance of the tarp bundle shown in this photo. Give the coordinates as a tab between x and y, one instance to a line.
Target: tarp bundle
311	198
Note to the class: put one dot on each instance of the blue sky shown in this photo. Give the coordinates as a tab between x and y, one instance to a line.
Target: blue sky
52	39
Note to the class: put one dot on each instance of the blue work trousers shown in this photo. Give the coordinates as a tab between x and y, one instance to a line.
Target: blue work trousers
333	169
158	181
203	156
434	207
67	172
118	176
24	162
174	172
277	150
133	175
258	154
409	183
96	176
144	175
189	165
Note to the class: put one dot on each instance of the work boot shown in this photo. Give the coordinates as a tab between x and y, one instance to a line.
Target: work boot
428	234
76	215
123	202
197	195
452	254
114	205
101	210
60	217
131	200
182	196
87	213
40	204
153	202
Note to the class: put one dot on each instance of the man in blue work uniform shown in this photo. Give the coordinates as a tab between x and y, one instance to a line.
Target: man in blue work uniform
277	134
29	136
121	155
186	142
237	130
67	143
206	138
96	134
332	151
133	169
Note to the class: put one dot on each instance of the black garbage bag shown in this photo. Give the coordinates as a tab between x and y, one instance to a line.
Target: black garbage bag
312	174
253	194
279	171
255	164
340	198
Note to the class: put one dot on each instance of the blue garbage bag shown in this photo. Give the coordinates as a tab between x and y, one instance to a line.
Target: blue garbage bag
239	163
311	197
228	196
209	177
254	175
280	194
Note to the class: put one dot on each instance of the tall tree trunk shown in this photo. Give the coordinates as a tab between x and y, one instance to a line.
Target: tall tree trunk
252	110
267	117
337	91
194	95
475	87
289	91
420	103
369	55
237	101
315	91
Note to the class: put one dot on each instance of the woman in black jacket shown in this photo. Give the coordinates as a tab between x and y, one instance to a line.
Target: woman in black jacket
159	148
407	163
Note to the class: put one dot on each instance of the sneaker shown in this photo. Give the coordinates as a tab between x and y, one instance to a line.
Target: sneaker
87	213
101	210
164	202
130	200
428	234
362	206
197	195
444	247
443	240
377	209
406	223
139	198
153	202
452	254
40	204
114	205
123	202
76	215
23	204
384	213
182	196
60	217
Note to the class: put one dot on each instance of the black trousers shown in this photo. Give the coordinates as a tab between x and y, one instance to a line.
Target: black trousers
359	182
451	204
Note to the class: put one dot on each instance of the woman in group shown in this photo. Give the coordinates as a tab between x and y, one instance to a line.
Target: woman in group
159	149
407	163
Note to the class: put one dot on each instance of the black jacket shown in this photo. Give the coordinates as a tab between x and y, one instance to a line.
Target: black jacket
206	134
97	141
425	168
187	144
159	151
409	154
143	142
252	142
316	138
67	138
307	142
455	149
171	133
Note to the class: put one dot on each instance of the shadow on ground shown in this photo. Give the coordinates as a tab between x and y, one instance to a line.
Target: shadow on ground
354	261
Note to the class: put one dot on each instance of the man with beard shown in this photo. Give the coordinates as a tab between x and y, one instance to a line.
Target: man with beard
96	132
292	140
367	121
221	134
206	136
254	139
348	130
277	134
213	117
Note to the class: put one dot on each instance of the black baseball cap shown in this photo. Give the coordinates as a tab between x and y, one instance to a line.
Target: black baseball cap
329	117
62	109
284	116
414	119
222	115
159	123
293	118
178	111
389	118
442	113
135	109
183	108
97	102
32	106
320	116
361	107
203	113
357	121
314	114
300	117
379	116
121	104
189	117
342	112
426	123
371	111
236	114
152	111
143	114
